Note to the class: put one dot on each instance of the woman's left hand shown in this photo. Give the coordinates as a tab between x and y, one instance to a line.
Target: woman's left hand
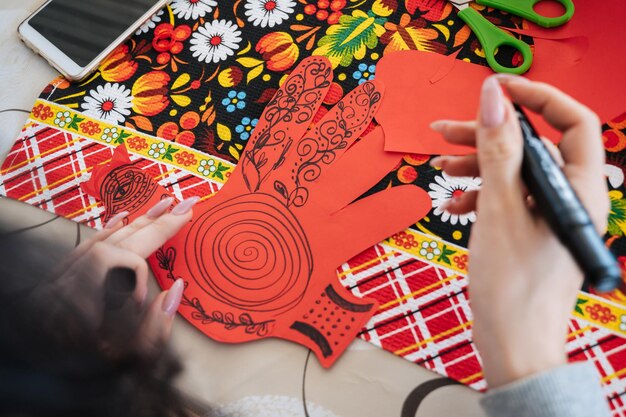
112	265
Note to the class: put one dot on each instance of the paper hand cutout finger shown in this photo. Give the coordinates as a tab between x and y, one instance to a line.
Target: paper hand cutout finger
259	258
121	186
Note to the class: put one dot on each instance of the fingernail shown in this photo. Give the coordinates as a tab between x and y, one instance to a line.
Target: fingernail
115	220
437	161
160	208
507	78
491	104
185	205
438	125
173	297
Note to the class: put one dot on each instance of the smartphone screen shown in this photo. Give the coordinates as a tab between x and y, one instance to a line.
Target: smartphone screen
82	29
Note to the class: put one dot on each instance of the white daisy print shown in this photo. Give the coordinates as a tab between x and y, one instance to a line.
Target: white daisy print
446	187
268	12
157	150
207	166
430	249
63	119
215	41
111	103
151	23
192	9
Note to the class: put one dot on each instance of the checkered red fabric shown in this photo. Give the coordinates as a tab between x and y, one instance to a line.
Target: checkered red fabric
46	165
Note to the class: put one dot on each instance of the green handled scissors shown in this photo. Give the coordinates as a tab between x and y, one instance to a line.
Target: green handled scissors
491	37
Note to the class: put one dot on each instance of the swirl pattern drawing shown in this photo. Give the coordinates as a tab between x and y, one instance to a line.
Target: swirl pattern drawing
295	103
333	134
250	253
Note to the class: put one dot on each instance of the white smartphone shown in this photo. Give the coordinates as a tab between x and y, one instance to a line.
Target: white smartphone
74	36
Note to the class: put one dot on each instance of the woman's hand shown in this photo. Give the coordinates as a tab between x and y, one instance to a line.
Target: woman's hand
523	282
111	269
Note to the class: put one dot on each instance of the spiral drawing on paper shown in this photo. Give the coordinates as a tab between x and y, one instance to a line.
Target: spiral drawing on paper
250	253
126	188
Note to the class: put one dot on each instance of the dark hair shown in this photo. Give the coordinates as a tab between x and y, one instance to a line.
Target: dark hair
55	362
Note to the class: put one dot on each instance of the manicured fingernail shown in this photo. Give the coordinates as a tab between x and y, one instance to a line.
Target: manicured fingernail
115	220
173	297
185	205
438	125
437	161
507	78
160	208
491	104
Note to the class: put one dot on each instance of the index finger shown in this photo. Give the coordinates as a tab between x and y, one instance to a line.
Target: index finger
110	228
582	139
581	146
148	239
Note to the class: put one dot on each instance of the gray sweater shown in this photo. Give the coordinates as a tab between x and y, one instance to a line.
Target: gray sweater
568	391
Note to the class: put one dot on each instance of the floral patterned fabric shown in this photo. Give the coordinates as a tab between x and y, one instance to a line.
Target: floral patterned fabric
184	95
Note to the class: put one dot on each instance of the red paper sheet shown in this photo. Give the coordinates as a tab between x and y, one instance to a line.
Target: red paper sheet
259	258
585	58
121	186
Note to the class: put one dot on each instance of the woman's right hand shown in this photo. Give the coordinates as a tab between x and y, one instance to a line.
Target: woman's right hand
523	282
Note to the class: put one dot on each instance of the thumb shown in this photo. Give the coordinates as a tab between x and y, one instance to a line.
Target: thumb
499	142
156	325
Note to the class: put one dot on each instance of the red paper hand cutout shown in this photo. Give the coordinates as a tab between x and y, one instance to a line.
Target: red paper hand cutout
260	257
121	186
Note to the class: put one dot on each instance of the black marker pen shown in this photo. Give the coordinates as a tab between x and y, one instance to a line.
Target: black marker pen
562	209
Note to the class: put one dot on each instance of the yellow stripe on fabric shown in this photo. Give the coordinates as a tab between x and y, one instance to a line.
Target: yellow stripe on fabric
365	265
467	379
62	180
418	292
38	156
617	374
579	331
149	147
163	175
80	94
434	338
81	211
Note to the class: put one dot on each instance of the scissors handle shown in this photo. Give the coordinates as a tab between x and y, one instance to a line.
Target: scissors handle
491	38
525	9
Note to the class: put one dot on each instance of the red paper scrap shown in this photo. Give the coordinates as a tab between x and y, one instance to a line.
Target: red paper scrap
585	58
121	186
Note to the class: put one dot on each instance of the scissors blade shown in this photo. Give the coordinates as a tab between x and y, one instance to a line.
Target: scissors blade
461	4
